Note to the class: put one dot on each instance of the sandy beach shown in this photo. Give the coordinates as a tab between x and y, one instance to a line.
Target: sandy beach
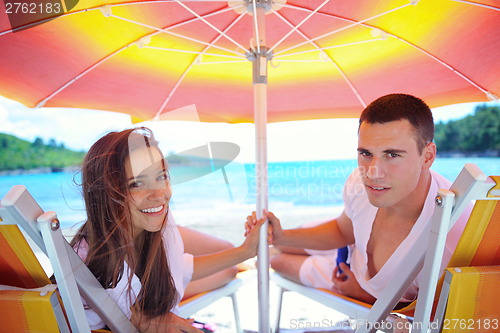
299	313
228	223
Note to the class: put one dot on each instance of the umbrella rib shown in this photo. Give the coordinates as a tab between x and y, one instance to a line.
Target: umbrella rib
354	23
211	25
463	76
299	25
256	25
192	52
159	30
478	4
222	62
70	82
457	72
181	78
313	43
290	60
329	47
27	25
217	12
221	11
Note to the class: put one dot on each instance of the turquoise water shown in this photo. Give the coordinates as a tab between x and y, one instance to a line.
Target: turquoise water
293	185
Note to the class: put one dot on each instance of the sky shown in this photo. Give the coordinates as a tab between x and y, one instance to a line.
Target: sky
287	141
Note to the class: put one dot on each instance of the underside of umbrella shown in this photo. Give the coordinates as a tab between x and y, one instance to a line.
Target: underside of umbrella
328	59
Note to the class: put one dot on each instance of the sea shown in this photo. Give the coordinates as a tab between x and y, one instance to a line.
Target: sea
217	201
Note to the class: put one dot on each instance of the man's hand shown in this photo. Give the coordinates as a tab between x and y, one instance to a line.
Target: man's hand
274	227
275	231
346	284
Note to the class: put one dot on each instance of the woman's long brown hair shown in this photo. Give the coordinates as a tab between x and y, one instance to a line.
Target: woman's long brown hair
109	228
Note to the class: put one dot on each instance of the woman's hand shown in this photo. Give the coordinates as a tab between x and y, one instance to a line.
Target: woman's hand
168	323
274	231
346	284
252	228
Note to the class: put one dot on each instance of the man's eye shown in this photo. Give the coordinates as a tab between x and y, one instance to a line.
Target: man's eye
364	153
393	155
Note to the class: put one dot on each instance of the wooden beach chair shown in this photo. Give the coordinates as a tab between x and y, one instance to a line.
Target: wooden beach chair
21	269
471	184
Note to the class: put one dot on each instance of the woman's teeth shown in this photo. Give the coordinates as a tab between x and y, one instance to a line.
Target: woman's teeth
152	210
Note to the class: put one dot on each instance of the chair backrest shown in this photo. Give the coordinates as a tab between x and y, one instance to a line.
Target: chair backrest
469	302
19	266
18	208
472	288
478	244
28	301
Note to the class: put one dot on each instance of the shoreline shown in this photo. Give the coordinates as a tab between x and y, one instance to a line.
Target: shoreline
38	171
459	154
74	168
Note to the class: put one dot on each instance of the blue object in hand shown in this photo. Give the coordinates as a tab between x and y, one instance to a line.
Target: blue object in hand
342	255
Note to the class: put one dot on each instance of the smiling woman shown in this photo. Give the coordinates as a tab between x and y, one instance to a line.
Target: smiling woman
130	240
112	241
149	186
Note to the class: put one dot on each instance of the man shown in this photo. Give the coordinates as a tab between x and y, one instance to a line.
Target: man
388	200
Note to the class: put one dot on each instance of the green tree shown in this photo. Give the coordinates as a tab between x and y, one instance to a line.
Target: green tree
4	143
476	133
20	154
52	143
38	142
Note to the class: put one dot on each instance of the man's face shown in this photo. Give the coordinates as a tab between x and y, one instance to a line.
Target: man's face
390	164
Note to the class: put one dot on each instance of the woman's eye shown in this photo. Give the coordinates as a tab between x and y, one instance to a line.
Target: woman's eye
134	185
163	177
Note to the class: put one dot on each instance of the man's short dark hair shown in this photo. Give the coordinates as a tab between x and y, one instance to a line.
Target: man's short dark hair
395	107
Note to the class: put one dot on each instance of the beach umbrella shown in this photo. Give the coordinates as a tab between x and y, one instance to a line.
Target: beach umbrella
248	61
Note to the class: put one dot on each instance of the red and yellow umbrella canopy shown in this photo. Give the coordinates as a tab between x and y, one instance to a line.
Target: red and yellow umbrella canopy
327	58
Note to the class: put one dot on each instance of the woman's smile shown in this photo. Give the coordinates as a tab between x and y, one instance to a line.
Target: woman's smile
153	210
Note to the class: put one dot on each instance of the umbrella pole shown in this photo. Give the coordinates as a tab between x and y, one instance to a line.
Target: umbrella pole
259	66
260	91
